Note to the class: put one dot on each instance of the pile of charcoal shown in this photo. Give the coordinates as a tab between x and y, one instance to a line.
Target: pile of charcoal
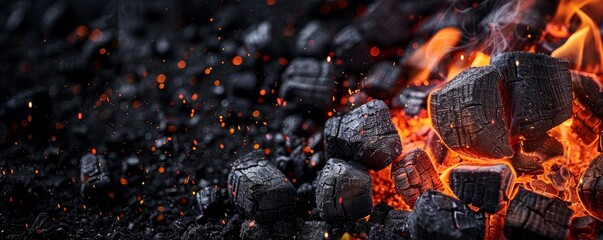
273	119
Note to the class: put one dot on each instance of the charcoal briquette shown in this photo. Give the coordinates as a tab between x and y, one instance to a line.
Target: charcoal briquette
412	99
587	106
559	176
584	227
526	164
534	216
536	92
308	85
313	40
590	189
259	190
397	222
384	80
544	148
366	135
438	216
467	114
486	187
344	191
413	174
94	174
351	48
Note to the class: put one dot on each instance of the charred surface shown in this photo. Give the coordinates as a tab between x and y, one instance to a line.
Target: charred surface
413	174
485	187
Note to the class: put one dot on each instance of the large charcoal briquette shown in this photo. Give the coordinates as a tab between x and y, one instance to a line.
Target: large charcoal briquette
308	85
259	189
366	135
487	187
536	90
467	114
587	107
344	191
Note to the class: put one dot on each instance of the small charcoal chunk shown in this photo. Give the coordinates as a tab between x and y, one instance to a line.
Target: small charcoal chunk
559	176
384	80
344	191
259	189
534	216
467	114
94	173
536	90
313	40
587	107
526	164
412	99
308	84
414	174
590	189
438	216
379	213
544	148
314	230
397	222
351	48
436	148
366	135
486	187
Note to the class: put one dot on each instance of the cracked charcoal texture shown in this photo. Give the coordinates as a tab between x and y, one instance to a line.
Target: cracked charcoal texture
438	216
467	114
384	80
587	106
344	191
536	90
590	188
366	135
526	164
308	84
413	174
93	173
486	187
544	148
259	189
534	216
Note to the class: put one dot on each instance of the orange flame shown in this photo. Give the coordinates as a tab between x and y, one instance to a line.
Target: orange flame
432	52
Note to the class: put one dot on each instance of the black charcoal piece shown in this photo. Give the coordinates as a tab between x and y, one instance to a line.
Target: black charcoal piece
351	48
380	211
344	191
436	148
467	114
590	189
584	227
587	106
559	176
486	187
534	216
308	84
384	80
544	148
536	90
525	164
366	135
438	216
315	230
413	174
94	174
259	189
397	222
412	99
250	229
313	40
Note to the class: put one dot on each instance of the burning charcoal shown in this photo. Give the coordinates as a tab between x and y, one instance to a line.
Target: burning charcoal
366	135
384	80
344	191
259	189
308	84
397	221
414	174
313	40
314	230
485	187
495	223
436	148
467	114
534	216
380	211
437	216
351	48
524	164
590	189
544	148
544	188
583	228
412	99
587	106
600	147
559	176
536	90
94	174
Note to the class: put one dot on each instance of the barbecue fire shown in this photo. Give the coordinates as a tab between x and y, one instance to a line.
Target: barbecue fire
266	119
